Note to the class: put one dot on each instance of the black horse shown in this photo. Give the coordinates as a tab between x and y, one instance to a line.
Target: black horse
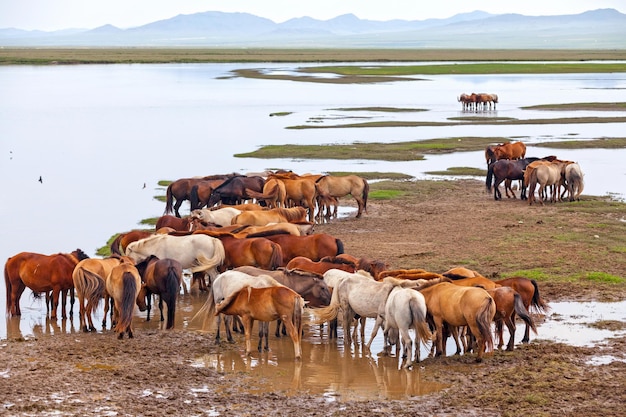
234	190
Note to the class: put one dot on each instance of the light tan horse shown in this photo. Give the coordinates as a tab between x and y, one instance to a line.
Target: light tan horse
123	285
90	288
548	176
341	186
276	215
461	306
299	191
274	193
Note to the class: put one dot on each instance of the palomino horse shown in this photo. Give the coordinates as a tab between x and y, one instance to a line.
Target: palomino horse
225	286
201	253
222	216
531	298
314	247
299	191
340	186
41	273
164	278
267	304
461	306
274	193
405	309
90	287
123	284
275	215
321	266
547	176
296	229
515	150
508	304
252	251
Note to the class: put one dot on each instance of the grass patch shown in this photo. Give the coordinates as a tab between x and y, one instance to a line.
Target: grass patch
603	277
385	194
601	143
536	274
579	106
281	113
460	171
400	151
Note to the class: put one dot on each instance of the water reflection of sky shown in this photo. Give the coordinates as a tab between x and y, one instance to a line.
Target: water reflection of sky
97	133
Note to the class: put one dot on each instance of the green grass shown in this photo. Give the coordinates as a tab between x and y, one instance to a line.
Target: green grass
603	277
536	274
601	143
385	194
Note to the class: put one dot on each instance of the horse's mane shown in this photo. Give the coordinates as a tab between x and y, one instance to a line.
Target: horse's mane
292	213
264	233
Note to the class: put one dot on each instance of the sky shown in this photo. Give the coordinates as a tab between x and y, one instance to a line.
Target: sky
51	15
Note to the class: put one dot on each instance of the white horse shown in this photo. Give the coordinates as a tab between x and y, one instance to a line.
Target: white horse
225	286
574	182
222	216
202	254
406	309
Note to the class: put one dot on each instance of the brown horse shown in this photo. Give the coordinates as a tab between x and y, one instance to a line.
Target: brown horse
531	298
41	273
257	251
340	186
201	192
164	278
276	215
299	191
274	193
119	244
90	287
181	224
267	304
480	281
235	190
123	284
180	190
314	246
515	150
321	266
508	304
461	306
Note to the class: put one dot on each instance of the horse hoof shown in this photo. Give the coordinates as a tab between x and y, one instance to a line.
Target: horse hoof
120	336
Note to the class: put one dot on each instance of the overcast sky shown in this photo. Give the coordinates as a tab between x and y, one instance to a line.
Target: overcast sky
64	14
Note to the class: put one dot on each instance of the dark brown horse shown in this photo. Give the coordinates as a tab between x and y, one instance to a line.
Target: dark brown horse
41	273
507	169
164	278
314	247
180	190
181	224
234	190
201	192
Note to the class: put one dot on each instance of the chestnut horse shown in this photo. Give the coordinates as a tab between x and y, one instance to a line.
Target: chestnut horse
267	304
314	247
253	251
461	306
164	278
118	246
181	224
321	266
299	191
90	288
515	150
340	186
123	284
274	193
41	273
508	304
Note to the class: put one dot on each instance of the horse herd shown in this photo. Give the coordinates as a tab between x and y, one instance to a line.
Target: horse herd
281	271
480	101
507	162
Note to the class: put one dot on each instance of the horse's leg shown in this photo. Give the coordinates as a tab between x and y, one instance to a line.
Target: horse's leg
228	326
498	332
161	307
377	324
248	322
510	324
439	339
332	328
72	299
278	323
407	347
497	195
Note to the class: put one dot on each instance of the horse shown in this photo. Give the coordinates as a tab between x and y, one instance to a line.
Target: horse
405	309
321	266
574	181
508	304
257	251
276	215
224	286
274	193
181	224
41	273
123	285
485	99
89	277
531	298
314	247
222	216
340	186
465	100
507	169
459	272
409	274
479	281
299	191
515	150
201	253
118	246
461	306
164	278
234	190
201	191
546	175
267	304
296	229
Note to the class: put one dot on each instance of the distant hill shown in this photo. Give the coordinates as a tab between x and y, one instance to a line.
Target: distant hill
597	29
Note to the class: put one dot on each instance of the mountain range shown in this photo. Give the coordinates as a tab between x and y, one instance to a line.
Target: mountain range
596	29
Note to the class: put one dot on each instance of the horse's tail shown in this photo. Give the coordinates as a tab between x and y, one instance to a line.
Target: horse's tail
489	179
9	286
521	311
277	258
127	304
483	322
422	331
204	264
172	287
323	314
206	311
194	198
298	311
537	302
340	247
366	191
168	200
90	285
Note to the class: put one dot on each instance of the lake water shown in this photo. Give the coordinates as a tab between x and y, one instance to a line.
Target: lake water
96	134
